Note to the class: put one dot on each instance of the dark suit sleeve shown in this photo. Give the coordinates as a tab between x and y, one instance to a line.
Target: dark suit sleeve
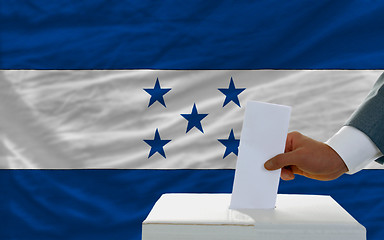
369	116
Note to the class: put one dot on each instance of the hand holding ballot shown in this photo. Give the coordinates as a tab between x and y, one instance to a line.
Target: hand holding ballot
355	145
308	157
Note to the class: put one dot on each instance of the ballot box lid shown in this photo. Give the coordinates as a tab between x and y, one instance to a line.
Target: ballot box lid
213	209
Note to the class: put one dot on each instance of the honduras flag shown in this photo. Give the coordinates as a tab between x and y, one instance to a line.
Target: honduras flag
129	135
104	106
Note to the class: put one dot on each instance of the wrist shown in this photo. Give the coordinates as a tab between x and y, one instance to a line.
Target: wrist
338	163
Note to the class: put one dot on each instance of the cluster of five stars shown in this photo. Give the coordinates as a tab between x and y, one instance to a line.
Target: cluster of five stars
194	118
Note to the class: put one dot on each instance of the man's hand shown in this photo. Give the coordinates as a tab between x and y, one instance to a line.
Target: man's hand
308	157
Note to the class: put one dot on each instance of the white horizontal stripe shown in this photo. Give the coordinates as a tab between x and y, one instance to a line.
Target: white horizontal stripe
99	119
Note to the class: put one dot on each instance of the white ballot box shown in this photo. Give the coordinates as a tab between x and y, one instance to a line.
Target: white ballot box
208	217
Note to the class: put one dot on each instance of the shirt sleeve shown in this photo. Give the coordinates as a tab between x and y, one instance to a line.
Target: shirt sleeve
354	147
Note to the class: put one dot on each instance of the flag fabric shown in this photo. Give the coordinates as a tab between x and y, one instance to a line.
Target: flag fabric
274	34
106	105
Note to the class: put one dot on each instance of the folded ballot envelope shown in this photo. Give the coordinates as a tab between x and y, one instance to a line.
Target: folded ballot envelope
208	217
263	136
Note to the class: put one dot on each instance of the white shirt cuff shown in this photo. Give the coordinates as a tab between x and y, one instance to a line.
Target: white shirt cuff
354	147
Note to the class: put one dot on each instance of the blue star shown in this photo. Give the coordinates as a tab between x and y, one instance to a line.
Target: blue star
231	93
194	119
231	144
157	144
157	93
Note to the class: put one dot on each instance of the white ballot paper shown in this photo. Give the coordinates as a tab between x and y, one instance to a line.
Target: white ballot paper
263	136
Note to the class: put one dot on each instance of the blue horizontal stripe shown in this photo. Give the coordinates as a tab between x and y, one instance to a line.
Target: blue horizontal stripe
111	204
97	34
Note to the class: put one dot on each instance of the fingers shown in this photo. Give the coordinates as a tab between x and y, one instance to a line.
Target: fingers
281	160
287	174
292	137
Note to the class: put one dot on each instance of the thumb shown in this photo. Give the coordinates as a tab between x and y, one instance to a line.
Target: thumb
281	160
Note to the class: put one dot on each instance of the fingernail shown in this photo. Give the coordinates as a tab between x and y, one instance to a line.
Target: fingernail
268	165
284	175
287	176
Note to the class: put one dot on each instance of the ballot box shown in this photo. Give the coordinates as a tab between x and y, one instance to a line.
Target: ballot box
208	217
